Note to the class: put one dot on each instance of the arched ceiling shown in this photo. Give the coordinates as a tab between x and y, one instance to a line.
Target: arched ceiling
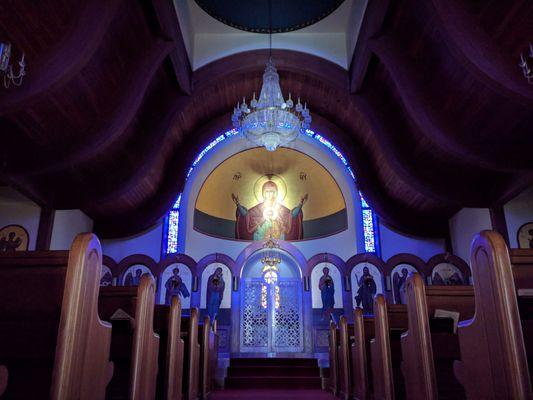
265	16
433	113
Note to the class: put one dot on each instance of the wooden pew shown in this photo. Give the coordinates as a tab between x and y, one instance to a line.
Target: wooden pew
333	358
522	264
493	358
191	376
208	357
134	349
167	323
381	352
428	354
359	359
52	340
386	327
417	351
344	360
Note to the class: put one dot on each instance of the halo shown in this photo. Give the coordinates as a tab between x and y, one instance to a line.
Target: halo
278	180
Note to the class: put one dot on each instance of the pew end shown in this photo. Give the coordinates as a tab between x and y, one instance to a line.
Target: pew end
344	365
493	358
175	353
79	373
145	349
417	366
333	359
381	358
359	358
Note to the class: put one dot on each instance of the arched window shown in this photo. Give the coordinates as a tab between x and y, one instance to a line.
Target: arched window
369	218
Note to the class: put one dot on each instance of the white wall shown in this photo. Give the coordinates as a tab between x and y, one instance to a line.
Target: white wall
15	209
393	243
147	242
518	212
464	225
67	224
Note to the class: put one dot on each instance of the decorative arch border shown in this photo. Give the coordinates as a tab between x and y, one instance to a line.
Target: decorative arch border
451	259
368	217
177	259
215	258
404	258
256	246
327	258
142	259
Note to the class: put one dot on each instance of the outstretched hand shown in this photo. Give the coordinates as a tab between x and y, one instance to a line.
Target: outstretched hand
304	199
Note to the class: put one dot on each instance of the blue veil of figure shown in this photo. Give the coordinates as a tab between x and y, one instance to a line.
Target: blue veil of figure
215	293
175	286
327	292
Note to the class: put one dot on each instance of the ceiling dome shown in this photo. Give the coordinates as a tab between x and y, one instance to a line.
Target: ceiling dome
253	15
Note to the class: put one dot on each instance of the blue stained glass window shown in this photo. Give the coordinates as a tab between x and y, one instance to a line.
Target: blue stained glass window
369	218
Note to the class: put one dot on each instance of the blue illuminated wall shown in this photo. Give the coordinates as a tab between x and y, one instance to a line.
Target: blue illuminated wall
369	219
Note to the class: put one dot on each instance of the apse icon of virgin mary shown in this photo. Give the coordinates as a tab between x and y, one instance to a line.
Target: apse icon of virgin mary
269	219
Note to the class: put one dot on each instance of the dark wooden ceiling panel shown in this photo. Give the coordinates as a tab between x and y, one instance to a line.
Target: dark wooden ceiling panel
110	116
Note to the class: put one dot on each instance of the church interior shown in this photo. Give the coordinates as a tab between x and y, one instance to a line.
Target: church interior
267	199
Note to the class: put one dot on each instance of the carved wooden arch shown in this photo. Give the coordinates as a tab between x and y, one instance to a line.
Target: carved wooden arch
404	258
451	259
177	259
142	259
327	258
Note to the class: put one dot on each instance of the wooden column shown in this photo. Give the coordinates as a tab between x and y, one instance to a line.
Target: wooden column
499	224
44	233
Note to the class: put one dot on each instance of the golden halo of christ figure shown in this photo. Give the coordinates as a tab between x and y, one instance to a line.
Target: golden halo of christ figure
269	219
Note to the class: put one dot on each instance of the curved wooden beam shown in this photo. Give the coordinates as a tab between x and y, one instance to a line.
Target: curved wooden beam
149	154
477	52
418	103
390	210
409	170
67	59
103	136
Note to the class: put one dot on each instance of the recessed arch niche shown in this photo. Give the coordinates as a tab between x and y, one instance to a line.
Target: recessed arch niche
294	175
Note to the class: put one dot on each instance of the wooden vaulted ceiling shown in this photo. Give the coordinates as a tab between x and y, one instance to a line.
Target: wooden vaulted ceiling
433	114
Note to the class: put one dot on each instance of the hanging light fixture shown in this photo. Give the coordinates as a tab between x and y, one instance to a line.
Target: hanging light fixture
6	68
271	121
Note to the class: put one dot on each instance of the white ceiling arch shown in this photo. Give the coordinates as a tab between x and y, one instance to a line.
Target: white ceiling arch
332	38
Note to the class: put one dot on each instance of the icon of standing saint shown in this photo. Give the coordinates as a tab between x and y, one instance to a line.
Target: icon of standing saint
269	219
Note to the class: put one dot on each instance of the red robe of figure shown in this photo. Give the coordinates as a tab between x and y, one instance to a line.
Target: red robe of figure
269	219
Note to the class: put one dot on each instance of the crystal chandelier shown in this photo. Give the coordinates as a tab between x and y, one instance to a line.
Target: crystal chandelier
271	121
270	263
6	68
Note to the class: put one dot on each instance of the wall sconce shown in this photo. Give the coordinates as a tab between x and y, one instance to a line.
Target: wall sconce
7	68
195	284
235	282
